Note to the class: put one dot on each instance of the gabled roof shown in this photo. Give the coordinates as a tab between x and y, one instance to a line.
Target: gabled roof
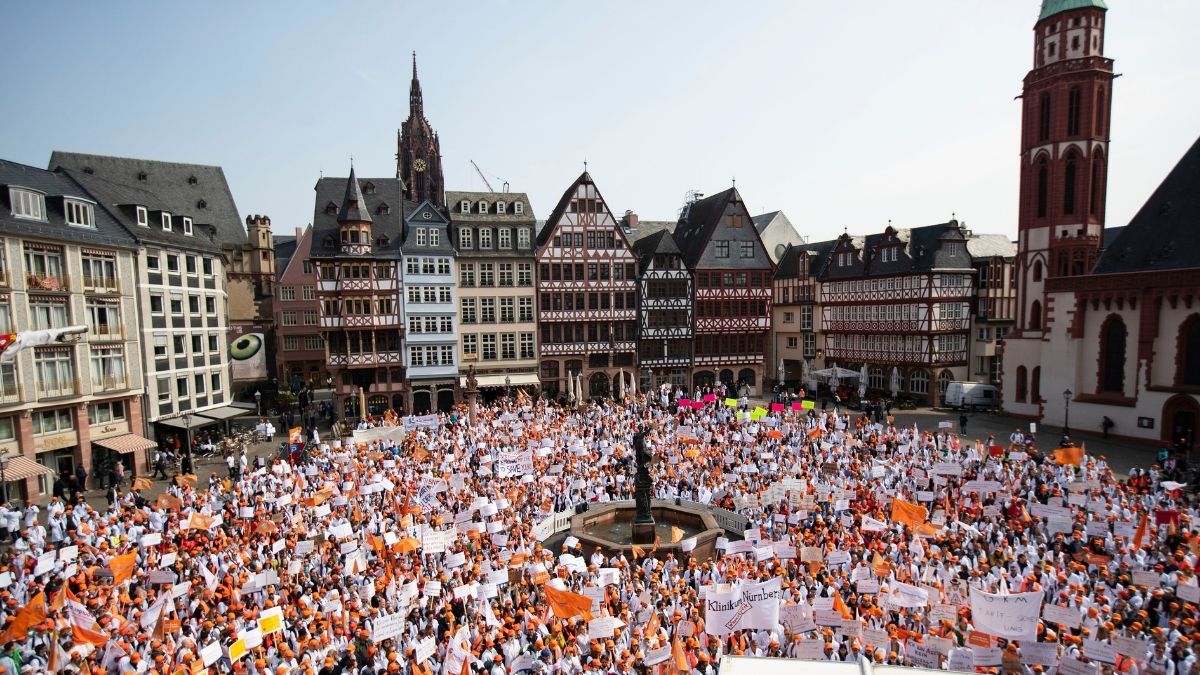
107	231
789	263
762	220
921	251
385	204
199	191
659	243
697	222
1163	235
543	236
991	246
285	247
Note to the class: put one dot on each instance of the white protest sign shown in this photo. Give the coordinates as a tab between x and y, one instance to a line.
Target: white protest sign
1012	617
1063	616
388	626
602	628
1039	653
744	606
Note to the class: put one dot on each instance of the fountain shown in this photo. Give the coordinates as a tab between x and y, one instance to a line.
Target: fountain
649	524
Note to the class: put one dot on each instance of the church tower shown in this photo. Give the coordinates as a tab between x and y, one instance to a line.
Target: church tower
1064	153
419	153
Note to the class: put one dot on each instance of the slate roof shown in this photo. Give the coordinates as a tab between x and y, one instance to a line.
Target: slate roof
991	246
543	236
697	222
107	231
762	220
921	252
453	199
788	265
1110	235
387	191
353	207
661	242
121	201
646	228
1163	235
199	191
285	248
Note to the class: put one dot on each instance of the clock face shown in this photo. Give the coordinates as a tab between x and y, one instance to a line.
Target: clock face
419	165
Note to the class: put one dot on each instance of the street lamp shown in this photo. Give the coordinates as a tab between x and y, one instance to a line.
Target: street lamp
258	402
3	477
187	432
1067	413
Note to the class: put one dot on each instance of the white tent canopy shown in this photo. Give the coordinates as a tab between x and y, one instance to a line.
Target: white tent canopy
835	372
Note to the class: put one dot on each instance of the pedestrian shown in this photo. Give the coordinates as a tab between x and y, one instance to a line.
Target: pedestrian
81	475
1107	424
962	424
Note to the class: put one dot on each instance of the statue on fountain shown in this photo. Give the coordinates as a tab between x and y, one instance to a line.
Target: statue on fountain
643	519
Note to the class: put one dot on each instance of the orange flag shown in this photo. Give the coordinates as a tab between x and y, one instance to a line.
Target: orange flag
407	545
840	607
169	502
1073	456
638	551
910	514
122	567
186	480
1140	535
679	656
567	604
29	616
199	521
141	484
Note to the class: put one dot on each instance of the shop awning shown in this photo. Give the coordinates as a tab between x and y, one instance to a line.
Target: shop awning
21	467
225	412
194	420
126	444
514	379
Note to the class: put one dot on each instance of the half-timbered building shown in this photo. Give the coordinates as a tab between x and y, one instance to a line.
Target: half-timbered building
732	297
664	312
357	232
898	299
793	316
995	310
587	294
429	303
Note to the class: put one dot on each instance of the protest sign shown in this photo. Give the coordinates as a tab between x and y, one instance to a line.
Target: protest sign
1013	616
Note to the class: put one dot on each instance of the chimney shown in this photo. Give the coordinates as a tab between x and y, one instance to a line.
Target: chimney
631	219
299	233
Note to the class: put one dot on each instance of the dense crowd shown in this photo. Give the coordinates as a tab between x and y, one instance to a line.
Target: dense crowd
421	554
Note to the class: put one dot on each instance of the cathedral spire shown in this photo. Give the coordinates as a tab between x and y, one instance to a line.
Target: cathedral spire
414	92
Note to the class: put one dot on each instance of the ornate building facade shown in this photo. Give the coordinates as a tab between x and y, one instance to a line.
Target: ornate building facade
356	258
300	357
587	295
664	312
732	299
497	322
428	301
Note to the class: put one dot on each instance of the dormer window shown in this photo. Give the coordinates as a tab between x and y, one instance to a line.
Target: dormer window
368	188
519	208
166	222
330	209
421	236
383	208
328	241
483	206
844	259
79	214
435	237
383	241
27	203
501	207
522	237
464	206
143	216
192	180
141	175
202	204
187	226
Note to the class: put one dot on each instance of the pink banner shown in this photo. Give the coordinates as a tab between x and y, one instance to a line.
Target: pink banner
685	403
709	398
797	405
697	405
776	407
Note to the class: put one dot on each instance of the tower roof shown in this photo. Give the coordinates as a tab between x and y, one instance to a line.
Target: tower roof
1052	7
415	101
353	205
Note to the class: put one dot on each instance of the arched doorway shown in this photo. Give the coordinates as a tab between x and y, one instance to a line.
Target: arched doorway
398	404
747	376
598	384
445	399
704	378
421	402
727	378
1180	416
377	404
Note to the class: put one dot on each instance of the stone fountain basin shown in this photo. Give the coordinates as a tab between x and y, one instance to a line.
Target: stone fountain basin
610	527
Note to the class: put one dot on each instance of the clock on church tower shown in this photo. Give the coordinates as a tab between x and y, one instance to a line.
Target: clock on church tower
419	152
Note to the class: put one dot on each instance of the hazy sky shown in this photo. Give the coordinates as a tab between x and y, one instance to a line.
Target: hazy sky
839	113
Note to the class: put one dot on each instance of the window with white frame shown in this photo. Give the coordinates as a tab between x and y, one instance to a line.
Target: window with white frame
525	274
416	356
950	310
27	203
44	268
143	216
501	208
447	355
164	389
415	325
950	343
464	237
519	208
108	368
187	225
525	309
160	346
428	265
806	317
308	293
314	342
198	383
214	383
485	237
291	343
47	312
810	344
487	310
103	317
527	345
504	237
483	206
506	274
918	382
466	274
181	387
470	346
793	342
522	237
444	294
507	310
789	317
467	310
489	346
288	317
55	372
310	317
435	236
464	206
166	222
287	292
79	214
487	274
421	236
443	266
508	346
8	380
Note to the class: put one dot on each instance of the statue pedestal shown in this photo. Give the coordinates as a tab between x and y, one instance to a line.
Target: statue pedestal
643	533
472	406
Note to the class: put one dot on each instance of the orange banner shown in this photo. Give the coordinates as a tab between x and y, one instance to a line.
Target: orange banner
912	515
122	567
567	604
1072	456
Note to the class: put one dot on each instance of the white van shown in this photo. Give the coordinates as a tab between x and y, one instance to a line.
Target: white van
971	395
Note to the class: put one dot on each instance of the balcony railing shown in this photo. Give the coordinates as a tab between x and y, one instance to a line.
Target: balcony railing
106	331
56	388
48	282
100	284
9	392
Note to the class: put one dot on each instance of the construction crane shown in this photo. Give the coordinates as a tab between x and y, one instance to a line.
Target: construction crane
482	177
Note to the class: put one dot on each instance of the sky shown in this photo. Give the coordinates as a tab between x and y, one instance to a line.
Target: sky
842	114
